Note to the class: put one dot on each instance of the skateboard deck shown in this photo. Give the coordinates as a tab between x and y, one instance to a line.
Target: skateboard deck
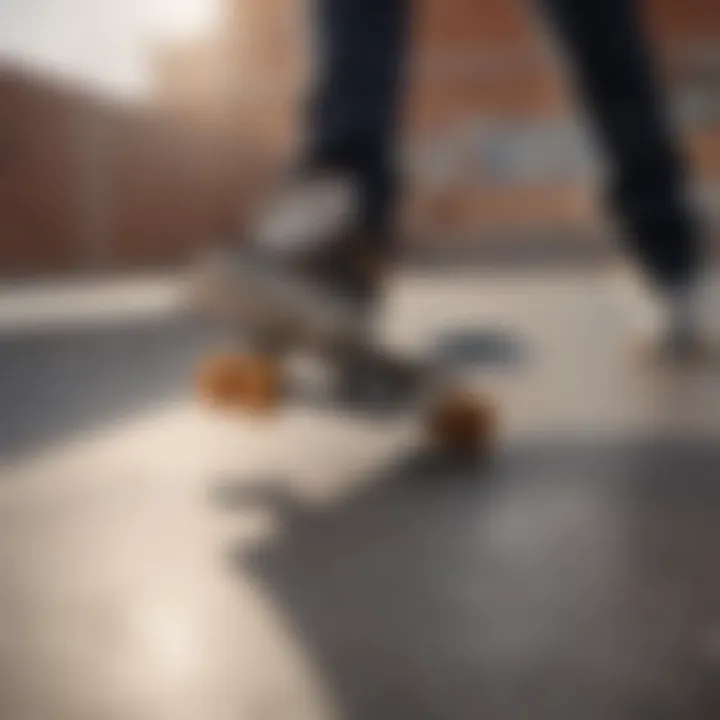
280	313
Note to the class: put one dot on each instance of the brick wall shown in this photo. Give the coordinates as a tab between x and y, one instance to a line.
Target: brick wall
87	184
38	203
487	83
490	144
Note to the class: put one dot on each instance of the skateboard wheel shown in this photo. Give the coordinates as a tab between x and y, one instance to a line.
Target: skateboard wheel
463	423
251	382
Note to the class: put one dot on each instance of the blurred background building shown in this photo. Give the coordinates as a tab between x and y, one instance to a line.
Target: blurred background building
497	156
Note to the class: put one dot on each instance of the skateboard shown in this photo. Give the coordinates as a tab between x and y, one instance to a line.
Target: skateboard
277	313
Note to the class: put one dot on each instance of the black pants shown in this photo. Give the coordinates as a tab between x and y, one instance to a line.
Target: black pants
353	115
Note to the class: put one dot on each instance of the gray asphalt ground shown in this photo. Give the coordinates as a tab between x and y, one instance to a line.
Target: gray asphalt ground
162	560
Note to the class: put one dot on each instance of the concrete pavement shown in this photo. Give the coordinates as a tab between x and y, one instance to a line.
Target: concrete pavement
158	560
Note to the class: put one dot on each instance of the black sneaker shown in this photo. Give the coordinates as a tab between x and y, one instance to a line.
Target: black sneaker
313	230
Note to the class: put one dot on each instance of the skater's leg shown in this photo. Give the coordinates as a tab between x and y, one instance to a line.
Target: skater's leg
353	112
614	76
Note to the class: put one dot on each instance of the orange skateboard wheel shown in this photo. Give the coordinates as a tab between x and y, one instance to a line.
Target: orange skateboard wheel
250	382
463	423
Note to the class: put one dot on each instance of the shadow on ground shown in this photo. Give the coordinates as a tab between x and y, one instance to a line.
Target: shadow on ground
56	382
567	581
480	347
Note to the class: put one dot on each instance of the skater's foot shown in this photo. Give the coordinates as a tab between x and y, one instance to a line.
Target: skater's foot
306	219
315	229
681	340
312	233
